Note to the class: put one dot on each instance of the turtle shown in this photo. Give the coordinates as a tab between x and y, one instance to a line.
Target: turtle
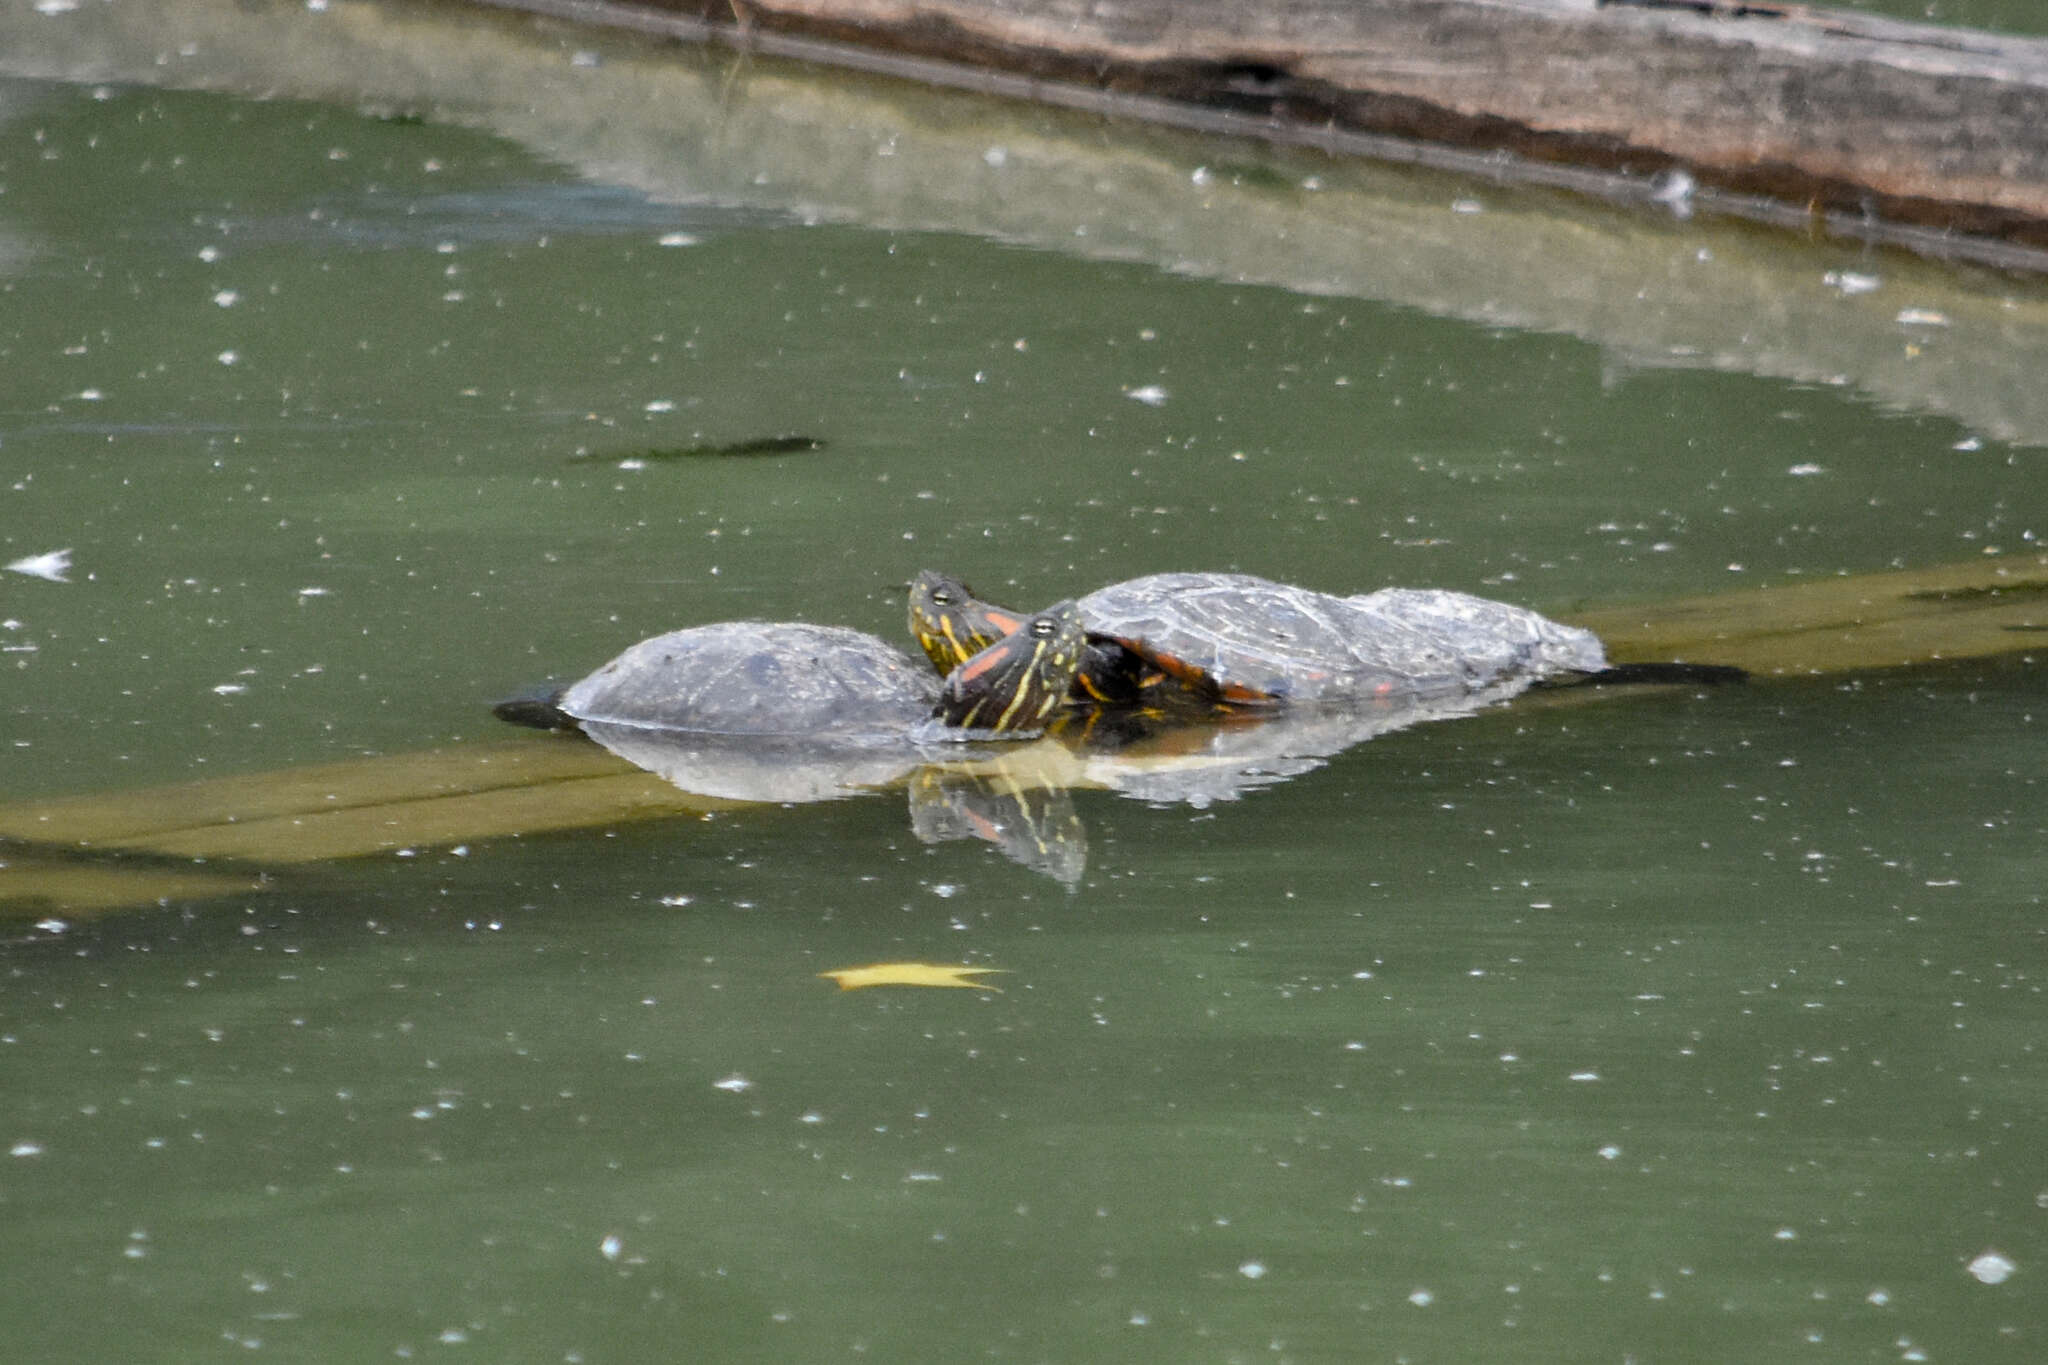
1239	641
820	685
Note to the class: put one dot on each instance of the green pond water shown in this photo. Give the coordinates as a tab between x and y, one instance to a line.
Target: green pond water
1676	1025
2003	16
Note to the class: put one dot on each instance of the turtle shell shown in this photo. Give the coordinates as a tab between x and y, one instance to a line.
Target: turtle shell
760	678
1251	641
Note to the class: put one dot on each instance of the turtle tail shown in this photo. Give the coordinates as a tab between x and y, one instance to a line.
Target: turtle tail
539	708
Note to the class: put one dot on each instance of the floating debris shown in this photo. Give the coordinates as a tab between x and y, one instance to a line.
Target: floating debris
911	974
55	566
1992	1267
760	445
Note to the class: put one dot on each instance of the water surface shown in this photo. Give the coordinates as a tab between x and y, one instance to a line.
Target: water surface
1672	1025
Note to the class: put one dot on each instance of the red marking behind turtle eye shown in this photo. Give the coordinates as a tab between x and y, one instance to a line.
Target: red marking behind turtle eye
981	663
1005	621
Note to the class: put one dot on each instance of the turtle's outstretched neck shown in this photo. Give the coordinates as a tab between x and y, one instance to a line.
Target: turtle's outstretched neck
541	709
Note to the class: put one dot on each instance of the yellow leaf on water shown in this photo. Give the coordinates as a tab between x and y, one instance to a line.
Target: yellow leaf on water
911	974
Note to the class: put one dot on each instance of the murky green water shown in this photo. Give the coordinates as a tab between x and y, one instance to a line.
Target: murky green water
1671	1026
2005	16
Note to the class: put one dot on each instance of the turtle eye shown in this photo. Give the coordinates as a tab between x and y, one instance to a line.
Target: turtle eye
943	596
1043	628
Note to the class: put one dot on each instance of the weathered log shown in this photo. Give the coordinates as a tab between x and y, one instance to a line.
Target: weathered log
1819	110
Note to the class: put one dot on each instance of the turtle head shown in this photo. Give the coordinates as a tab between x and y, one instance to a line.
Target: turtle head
1013	685
951	623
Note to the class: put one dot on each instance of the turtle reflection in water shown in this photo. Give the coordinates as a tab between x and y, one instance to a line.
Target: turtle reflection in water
793	712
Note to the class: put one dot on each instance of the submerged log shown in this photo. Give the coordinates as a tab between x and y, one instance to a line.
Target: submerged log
1821	110
234	829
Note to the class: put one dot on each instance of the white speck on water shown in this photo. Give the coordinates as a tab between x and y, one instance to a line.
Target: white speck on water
632	464
996	156
229	689
53	925
1421	1298
1878	1297
945	891
1786	1234
1140	1319
735	1083
54	565
583	56
26	1147
1674	186
312	592
1992	1267
1922	317
227	298
56	6
1850	282
610	1247
661	405
1151	395
1968	443
1585	1075
1801	471
921	1177
453	1336
677	239
1252	1270
1610	1152
90	395
209	254
1467	206
676	900
228	357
